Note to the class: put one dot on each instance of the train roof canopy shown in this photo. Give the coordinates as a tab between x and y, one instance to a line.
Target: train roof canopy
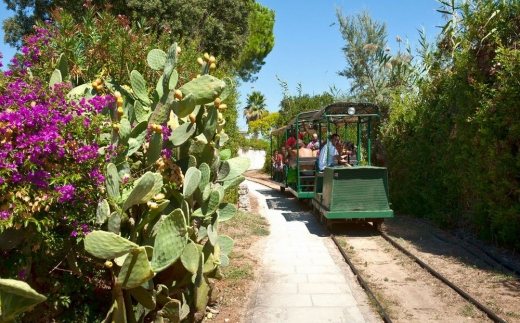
346	112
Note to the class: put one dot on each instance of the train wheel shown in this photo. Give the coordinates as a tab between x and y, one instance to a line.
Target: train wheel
282	189
378	224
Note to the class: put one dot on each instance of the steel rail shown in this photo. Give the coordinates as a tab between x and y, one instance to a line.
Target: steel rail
382	312
462	293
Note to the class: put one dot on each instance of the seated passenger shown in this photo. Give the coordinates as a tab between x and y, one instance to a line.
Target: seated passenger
314	145
277	161
328	153
302	152
343	156
351	153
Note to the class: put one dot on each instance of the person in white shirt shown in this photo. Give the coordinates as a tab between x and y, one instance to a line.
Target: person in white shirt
328	153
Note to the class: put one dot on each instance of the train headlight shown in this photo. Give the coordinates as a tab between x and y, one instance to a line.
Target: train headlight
351	111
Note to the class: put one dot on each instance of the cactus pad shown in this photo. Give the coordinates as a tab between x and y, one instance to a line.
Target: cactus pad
143	297
156	59
226	211
170	241
225	154
107	245
139	87
182	133
16	297
205	88
135	270
190	257
191	181
233	168
102	211
226	244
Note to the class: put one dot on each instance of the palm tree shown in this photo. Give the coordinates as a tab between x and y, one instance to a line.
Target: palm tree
256	107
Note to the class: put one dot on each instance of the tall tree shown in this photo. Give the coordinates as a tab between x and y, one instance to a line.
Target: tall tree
365	44
260	42
256	106
238	32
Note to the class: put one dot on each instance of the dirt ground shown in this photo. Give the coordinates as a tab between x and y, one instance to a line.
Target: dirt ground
407	292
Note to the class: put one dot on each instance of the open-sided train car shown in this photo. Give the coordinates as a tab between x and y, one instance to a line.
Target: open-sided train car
298	175
351	194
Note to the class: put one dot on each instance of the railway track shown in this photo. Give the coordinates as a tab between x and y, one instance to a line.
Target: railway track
429	272
384	315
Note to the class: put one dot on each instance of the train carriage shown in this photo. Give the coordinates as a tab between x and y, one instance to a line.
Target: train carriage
351	194
296	176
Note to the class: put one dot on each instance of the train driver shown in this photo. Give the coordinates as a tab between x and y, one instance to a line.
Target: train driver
329	153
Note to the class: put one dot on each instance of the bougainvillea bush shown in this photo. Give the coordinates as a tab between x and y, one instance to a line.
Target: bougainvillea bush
50	181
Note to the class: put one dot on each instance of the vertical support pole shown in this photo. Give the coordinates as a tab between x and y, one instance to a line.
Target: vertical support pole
369	142
359	141
272	170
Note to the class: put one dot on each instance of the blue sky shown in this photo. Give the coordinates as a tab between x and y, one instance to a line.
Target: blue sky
308	42
308	49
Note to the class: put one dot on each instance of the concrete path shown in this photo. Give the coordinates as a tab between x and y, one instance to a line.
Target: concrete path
304	278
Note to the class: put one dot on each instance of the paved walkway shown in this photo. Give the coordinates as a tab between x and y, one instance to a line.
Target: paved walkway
304	279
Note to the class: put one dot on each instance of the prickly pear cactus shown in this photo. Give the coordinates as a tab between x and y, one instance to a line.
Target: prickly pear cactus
166	180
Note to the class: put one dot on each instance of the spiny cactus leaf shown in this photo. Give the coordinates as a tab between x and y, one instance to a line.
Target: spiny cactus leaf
158	183
212	234
137	136
225	154
226	211
226	244
206	192
182	133
224	260
112	182
170	241
121	260
205	88
190	257
108	245
55	78
80	91
186	210
222	192
184	107
223	139
136	269
198	277
141	113
210	206
63	67
174	78
211	257
139	87
172	310
151	214
204	176
143	297
161	112
191	181
234	182
230	85
233	168
154	149
205	153
156	59
142	187
124	131
16	297
102	211
211	123
169	66
114	222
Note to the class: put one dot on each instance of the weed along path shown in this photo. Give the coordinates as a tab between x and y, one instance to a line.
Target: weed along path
303	277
